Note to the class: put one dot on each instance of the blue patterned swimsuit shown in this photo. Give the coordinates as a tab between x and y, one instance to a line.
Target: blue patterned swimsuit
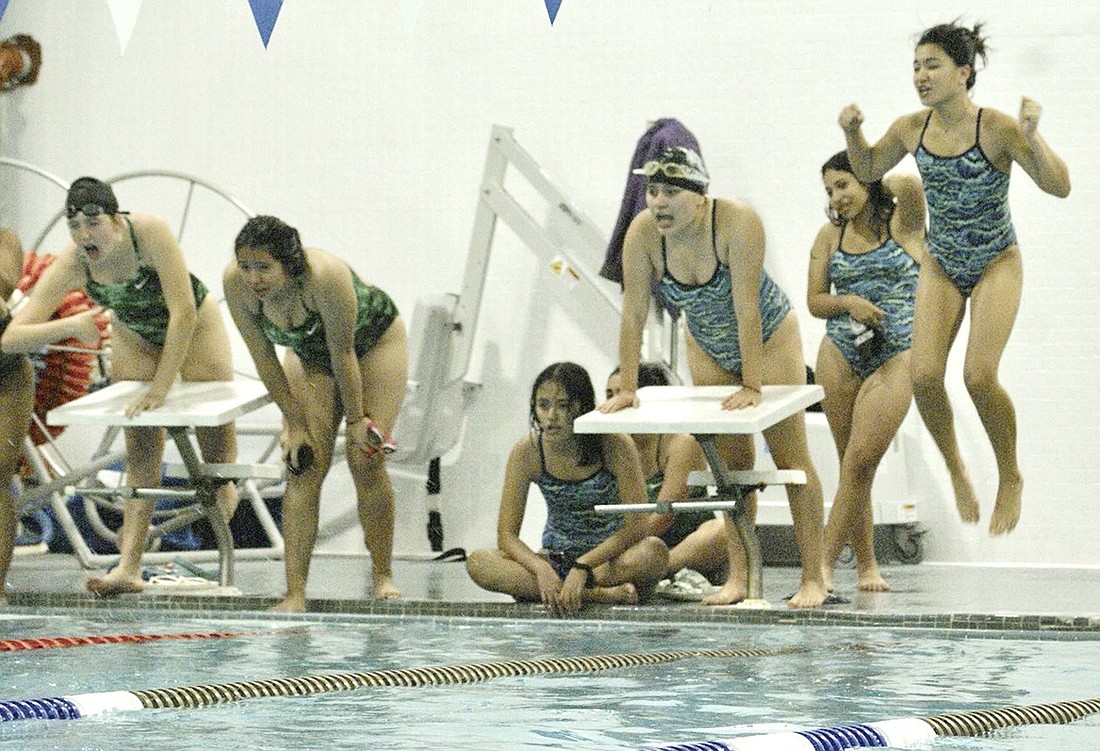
572	527
887	278
969	221
708	307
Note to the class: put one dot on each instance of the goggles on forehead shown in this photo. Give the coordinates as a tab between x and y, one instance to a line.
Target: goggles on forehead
88	209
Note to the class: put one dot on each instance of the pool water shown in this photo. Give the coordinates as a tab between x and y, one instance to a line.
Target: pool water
836	676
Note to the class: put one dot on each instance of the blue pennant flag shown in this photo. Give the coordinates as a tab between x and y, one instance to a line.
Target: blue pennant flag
552	8
3	7
266	13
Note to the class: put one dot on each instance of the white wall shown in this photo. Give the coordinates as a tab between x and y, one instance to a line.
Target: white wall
367	129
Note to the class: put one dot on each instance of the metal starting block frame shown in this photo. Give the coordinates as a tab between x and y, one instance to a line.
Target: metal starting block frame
747	480
698	410
188	405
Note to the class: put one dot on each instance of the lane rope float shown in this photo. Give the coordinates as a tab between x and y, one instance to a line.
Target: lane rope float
85	705
59	642
905	733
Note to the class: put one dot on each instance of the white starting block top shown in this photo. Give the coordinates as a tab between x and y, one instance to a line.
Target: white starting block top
188	404
698	410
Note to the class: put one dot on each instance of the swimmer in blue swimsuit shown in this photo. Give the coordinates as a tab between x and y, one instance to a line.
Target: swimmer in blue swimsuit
585	556
863	270
969	221
964	154
346	361
165	327
707	256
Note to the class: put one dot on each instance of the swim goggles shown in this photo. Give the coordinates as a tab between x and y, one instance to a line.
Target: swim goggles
670	169
688	176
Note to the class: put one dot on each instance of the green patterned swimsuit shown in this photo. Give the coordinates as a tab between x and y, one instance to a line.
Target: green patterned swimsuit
685	522
376	312
139	301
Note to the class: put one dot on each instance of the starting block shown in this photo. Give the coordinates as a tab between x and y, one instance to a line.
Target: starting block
698	410
188	405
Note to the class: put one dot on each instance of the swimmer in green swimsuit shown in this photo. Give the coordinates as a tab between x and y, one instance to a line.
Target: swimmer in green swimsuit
346	359
134	261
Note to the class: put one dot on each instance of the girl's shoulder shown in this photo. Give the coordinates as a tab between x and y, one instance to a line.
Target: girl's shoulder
323	268
734	213
327	277
729	207
67	264
912	122
828	237
642	229
524	456
908	128
152	234
145	225
998	125
825	245
236	290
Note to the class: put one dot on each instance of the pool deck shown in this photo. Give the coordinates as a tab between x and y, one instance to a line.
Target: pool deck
927	595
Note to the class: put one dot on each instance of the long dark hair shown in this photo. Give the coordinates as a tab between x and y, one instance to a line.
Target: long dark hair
577	385
276	237
649	374
964	46
878	195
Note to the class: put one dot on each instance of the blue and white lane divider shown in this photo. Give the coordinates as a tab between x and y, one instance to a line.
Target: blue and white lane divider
68	707
903	733
913	732
180	697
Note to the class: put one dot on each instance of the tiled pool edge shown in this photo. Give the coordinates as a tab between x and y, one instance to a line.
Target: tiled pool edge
1032	625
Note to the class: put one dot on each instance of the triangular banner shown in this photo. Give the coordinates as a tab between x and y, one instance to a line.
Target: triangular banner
409	10
552	7
266	13
124	13
3	7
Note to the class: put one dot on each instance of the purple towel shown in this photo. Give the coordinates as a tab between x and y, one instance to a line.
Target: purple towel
664	133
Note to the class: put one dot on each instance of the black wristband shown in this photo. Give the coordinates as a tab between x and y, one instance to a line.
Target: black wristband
587	572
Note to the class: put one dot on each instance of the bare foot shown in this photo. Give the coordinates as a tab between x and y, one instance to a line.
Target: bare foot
731	593
384	588
1006	512
871	581
965	499
113	583
626	594
622	594
295	604
809	595
827	578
